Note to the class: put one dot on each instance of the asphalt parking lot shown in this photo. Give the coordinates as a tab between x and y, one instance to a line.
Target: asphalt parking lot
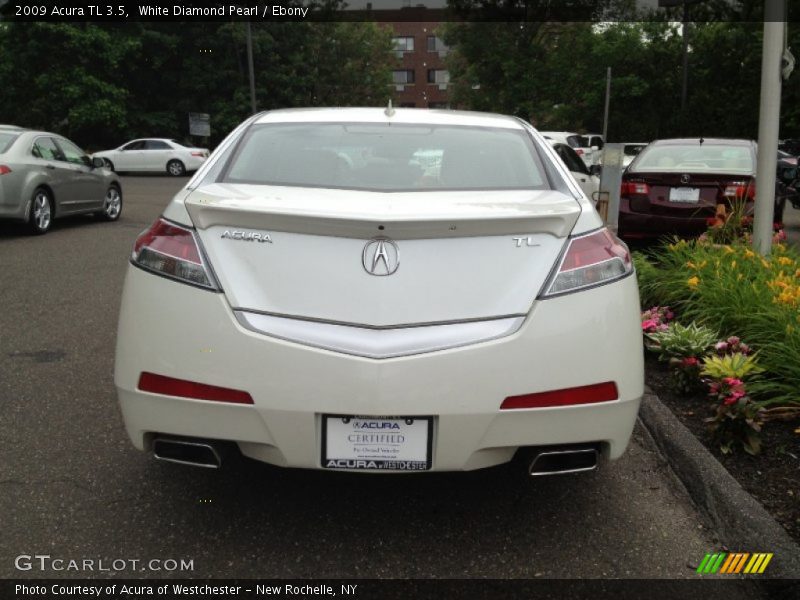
73	487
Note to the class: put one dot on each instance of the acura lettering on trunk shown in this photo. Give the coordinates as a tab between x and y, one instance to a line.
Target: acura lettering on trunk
509	334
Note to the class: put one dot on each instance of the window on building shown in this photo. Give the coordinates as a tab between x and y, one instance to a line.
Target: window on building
438	76
403	44
438	105
408	104
435	44
403	76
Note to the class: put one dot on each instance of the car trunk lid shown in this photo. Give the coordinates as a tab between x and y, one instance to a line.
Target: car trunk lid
306	252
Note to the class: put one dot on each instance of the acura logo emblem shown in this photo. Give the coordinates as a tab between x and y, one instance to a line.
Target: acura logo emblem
685	178
380	257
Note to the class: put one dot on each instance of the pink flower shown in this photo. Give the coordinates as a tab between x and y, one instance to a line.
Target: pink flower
733	340
732	381
690	361
730	400
721	347
649	325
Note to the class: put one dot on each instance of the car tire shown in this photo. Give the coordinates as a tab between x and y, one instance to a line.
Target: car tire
176	168
109	165
40	217
112	204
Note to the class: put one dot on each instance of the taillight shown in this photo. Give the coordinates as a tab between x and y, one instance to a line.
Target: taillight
173	251
740	189
169	386
4	170
585	394
630	188
579	151
590	260
201	154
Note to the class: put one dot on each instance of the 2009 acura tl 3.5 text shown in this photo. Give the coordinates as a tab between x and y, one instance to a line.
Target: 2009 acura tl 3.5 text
381	290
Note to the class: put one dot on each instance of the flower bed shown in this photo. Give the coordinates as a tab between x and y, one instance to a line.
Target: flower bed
728	352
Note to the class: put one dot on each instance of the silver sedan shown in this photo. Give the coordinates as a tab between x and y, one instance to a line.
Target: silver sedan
44	176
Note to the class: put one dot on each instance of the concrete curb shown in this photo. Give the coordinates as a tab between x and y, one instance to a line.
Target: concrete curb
742	524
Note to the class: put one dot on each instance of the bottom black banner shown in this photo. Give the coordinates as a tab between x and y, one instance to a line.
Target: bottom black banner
388	589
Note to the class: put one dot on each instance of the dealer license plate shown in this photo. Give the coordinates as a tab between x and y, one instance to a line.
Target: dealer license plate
684	194
380	443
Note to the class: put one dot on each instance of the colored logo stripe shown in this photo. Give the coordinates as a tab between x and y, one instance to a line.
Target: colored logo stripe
735	562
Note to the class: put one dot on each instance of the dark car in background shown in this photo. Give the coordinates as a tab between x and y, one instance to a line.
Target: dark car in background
44	176
674	186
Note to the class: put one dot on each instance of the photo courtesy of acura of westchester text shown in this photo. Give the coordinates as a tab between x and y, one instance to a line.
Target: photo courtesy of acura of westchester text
375	297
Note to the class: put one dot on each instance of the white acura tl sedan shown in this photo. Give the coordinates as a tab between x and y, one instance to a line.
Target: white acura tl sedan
381	290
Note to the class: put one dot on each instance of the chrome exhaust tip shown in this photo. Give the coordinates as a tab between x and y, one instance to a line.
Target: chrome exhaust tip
562	461
195	453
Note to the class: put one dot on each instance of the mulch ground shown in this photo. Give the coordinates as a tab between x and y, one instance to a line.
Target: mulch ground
773	477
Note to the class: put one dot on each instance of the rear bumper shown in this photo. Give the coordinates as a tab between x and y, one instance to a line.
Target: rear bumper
642	225
574	340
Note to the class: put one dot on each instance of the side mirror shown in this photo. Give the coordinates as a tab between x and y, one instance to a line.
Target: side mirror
98	163
595	170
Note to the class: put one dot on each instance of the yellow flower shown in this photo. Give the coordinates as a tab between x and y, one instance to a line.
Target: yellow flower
691	265
749	253
733	264
729	250
693	281
785	260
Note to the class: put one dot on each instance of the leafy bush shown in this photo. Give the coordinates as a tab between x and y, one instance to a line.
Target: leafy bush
735	365
735	290
737	419
681	341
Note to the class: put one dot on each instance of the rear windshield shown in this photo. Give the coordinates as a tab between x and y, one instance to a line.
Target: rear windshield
633	149
577	141
695	158
6	140
386	157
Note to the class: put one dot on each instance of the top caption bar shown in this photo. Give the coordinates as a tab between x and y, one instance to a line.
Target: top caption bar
386	10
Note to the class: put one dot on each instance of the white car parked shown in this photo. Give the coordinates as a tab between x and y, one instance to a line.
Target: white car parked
589	182
381	315
576	141
154	155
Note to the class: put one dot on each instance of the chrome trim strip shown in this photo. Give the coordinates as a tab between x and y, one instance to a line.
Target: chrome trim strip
370	342
377	327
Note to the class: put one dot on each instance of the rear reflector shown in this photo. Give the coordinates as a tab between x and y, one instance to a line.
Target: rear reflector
159	384
198	153
587	394
4	169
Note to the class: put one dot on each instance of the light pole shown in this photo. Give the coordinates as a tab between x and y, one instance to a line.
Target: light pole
769	115
685	35
250	68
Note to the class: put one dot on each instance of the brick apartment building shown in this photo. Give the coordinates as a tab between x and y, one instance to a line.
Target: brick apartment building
420	78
